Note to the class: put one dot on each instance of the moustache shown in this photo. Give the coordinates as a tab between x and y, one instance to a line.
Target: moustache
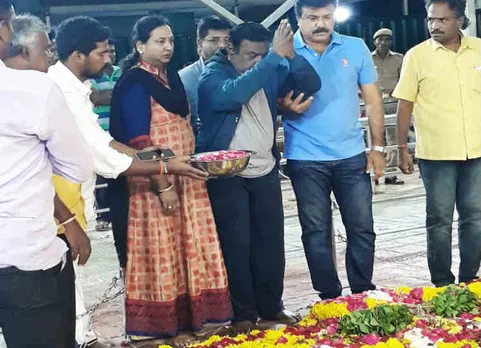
437	32
320	31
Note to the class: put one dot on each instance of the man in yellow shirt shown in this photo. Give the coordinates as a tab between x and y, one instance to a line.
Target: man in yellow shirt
441	85
70	193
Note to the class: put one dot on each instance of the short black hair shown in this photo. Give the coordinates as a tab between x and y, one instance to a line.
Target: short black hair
249	31
458	6
79	34
111	42
211	23
300	4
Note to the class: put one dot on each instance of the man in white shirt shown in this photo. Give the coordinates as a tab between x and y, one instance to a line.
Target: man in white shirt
83	52
38	137
31	49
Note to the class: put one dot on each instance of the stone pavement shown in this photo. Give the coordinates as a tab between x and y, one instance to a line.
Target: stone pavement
399	216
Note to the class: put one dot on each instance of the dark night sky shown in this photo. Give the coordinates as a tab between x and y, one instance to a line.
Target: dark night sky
386	8
369	8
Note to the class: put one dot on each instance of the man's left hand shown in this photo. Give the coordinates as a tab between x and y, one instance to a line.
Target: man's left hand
101	98
377	162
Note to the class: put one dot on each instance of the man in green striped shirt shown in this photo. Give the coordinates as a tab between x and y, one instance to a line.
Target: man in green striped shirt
101	97
102	90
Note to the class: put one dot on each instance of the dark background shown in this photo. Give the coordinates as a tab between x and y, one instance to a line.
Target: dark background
367	17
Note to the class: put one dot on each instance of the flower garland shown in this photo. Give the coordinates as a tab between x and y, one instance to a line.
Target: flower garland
321	327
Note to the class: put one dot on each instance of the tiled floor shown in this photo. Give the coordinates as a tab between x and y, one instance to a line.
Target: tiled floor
400	255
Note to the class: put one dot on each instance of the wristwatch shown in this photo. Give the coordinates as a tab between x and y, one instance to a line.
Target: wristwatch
378	148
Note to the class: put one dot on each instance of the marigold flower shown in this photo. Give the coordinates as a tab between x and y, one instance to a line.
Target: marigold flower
308	321
323	311
459	344
403	290
371	303
430	293
475	288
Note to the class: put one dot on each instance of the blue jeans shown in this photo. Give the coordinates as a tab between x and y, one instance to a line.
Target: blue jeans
313	182
450	183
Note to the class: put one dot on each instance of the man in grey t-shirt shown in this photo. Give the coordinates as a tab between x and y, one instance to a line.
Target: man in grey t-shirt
255	132
238	94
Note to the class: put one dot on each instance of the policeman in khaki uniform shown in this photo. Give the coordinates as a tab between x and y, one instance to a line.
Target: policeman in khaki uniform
388	65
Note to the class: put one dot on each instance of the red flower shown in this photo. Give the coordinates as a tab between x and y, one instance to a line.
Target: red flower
441	332
410	300
422	324
451	339
371	340
326	341
417	293
332	329
356	304
467	316
226	341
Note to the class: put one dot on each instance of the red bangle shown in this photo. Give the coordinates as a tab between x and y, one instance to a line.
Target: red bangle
162	167
402	146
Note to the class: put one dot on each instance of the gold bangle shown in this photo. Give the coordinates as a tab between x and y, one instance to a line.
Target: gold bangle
66	222
166	189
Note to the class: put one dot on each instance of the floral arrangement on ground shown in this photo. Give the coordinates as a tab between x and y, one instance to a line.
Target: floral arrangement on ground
447	317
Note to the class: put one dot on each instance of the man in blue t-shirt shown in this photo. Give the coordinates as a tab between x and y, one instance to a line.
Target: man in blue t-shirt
326	152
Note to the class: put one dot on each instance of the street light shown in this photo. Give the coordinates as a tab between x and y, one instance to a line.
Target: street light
342	14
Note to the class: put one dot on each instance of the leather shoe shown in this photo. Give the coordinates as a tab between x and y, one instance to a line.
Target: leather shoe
288	318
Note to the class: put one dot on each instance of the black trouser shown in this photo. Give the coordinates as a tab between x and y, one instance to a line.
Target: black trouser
118	200
66	285
30	308
101	200
250	223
